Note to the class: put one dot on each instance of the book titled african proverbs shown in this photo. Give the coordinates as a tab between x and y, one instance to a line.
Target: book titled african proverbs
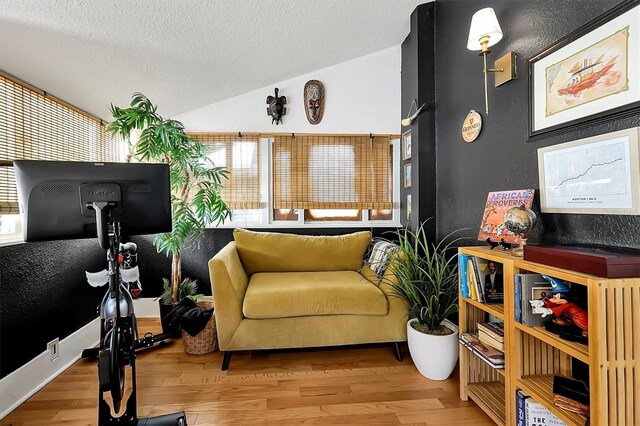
492	226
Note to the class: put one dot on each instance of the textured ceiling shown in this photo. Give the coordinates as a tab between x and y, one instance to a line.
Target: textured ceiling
188	53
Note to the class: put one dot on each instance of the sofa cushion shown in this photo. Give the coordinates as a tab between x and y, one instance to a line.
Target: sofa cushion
274	252
295	294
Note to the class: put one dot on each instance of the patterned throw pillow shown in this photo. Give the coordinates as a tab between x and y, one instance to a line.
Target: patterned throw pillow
380	256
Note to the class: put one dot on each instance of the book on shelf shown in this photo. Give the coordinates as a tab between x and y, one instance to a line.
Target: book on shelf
472	280
493	328
529	287
478	277
521	414
539	415
488	340
492	334
491	356
462	271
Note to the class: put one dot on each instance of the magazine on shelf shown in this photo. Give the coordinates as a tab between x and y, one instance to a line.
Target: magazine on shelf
489	355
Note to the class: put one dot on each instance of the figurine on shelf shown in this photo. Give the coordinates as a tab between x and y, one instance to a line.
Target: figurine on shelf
570	321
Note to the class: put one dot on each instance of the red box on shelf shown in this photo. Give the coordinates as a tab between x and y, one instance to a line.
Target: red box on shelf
607	262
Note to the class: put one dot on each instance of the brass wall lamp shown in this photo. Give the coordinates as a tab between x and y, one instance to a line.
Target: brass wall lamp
485	31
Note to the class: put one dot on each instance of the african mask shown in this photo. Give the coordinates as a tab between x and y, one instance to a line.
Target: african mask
314	101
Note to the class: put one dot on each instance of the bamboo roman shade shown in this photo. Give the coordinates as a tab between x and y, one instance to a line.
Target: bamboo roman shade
34	126
332	172
240	155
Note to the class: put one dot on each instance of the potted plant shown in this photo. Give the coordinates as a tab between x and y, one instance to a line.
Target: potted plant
426	278
196	182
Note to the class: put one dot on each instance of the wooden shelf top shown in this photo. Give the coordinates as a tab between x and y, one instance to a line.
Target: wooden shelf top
540	388
498	255
490	397
576	350
496	309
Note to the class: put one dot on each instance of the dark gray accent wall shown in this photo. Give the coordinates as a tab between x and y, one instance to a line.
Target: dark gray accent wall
501	158
43	295
418	70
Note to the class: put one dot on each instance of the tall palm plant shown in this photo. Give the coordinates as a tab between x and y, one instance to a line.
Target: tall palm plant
426	277
195	181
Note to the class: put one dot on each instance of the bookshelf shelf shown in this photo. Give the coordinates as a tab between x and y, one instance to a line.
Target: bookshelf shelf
495	309
533	355
576	350
540	388
490	397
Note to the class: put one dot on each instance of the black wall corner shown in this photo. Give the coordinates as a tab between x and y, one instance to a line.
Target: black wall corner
418	82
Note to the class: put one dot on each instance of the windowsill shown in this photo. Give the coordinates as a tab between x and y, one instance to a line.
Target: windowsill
11	241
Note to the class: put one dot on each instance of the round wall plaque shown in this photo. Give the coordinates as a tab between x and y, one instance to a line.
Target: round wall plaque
472	126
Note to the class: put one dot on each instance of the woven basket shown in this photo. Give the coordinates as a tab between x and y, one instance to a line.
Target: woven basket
207	340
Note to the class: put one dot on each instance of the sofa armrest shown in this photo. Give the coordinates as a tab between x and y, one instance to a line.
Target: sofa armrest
397	307
228	285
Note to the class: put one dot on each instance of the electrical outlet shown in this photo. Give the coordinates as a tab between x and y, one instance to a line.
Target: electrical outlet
54	348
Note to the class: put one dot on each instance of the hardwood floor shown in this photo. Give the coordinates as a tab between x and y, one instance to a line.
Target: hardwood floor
328	386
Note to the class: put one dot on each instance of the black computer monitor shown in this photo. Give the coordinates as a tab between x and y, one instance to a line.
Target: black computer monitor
57	198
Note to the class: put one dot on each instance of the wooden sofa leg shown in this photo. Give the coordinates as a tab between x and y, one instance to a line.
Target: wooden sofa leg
396	346
226	360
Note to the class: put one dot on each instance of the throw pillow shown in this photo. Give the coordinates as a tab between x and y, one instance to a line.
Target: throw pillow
380	257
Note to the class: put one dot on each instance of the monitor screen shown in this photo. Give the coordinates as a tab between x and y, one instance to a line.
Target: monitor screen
55	198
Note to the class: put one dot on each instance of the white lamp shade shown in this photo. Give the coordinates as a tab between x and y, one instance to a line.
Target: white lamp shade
484	23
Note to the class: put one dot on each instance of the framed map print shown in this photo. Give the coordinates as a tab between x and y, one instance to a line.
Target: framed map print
591	75
597	175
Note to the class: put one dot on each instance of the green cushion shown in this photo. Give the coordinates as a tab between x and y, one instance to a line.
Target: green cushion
296	294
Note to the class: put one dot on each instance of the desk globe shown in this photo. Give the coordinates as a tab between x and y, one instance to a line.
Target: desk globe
520	221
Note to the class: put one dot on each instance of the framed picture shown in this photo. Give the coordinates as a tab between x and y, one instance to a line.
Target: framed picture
406	145
409	207
407	175
597	175
591	75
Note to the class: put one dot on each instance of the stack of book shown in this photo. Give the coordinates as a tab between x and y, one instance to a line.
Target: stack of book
478	281
492	334
529	287
530	412
493	357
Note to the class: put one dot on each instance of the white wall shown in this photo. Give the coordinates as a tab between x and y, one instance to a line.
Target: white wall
361	96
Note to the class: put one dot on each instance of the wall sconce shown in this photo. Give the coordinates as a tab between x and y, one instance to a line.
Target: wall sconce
406	122
485	31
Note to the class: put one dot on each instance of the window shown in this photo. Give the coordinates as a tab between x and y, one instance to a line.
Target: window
37	126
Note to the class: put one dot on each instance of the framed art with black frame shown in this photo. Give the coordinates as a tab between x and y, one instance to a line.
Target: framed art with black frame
591	75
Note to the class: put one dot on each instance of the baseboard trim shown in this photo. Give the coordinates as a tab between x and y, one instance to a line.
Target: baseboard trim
24	382
146	307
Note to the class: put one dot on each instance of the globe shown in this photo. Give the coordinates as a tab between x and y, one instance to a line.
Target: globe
520	220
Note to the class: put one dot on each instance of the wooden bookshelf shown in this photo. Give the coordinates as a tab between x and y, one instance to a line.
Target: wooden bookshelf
533	355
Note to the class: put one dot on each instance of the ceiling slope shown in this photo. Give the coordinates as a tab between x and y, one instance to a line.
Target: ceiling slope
189	53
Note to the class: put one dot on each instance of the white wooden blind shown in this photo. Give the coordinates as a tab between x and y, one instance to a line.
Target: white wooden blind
35	126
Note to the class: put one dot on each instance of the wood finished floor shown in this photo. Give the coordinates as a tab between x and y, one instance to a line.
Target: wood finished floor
328	386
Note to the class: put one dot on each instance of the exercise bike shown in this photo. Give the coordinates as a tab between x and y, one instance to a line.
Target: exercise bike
65	200
127	258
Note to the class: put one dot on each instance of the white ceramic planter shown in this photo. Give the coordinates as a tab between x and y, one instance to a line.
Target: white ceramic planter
435	357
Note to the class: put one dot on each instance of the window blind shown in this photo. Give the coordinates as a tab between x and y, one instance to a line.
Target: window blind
35	126
332	172
240	155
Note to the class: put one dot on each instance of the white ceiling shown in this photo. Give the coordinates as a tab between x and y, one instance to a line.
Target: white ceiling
186	53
